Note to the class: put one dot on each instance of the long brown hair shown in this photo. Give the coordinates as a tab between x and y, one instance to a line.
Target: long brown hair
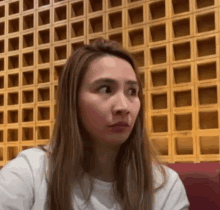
69	158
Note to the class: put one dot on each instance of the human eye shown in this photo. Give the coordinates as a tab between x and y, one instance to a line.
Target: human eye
135	91
103	87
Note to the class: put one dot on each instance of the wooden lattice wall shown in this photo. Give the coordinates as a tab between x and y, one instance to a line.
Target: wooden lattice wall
176	43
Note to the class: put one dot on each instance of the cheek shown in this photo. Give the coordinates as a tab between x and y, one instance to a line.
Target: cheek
90	113
137	108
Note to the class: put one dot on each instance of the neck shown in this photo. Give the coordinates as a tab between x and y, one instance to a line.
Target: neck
103	164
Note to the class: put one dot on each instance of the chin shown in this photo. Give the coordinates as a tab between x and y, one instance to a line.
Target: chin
117	139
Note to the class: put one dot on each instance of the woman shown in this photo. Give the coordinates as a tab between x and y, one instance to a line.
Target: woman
90	162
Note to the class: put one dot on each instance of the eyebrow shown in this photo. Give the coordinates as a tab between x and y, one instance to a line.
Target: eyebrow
112	81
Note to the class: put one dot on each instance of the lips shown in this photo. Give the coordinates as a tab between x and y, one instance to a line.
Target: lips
119	129
120	124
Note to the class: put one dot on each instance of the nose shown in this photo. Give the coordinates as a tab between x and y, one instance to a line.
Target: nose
121	105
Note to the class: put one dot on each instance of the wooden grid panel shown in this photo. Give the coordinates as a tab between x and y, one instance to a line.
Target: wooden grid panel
175	43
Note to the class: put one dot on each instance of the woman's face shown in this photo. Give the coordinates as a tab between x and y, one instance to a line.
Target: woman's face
103	103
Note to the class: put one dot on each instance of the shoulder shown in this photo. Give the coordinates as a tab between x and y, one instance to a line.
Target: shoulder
172	176
173	194
27	164
19	179
33	156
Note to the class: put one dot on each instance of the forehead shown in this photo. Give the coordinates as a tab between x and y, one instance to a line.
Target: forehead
112	67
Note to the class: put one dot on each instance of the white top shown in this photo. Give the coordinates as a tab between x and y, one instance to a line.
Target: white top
23	187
